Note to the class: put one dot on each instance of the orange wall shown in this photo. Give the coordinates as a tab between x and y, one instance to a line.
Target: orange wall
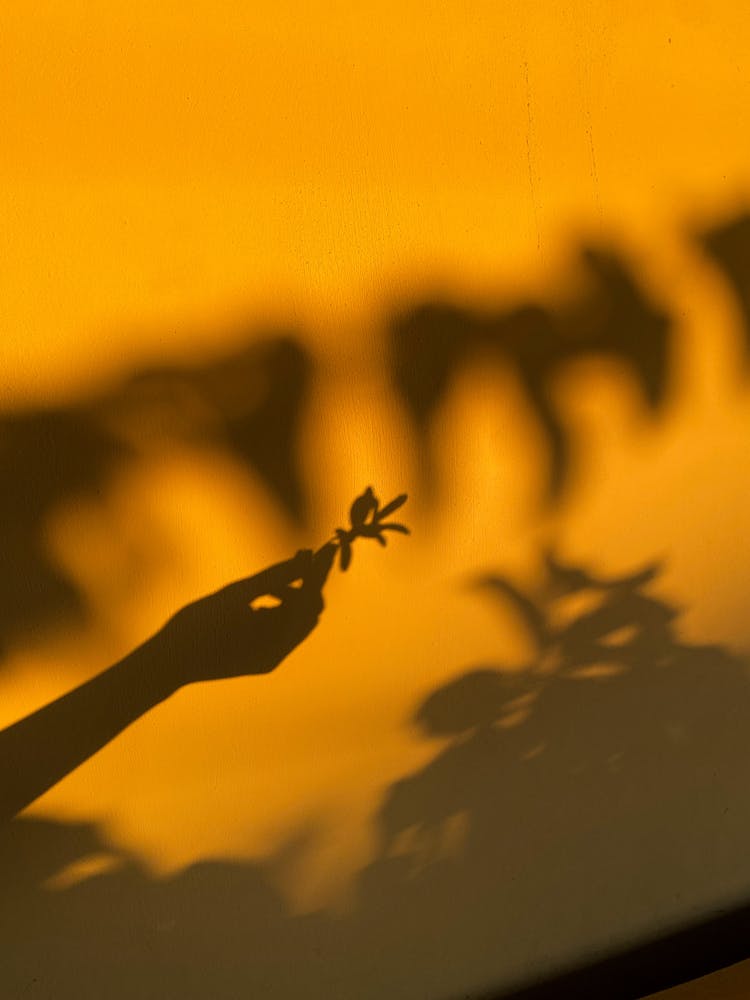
172	173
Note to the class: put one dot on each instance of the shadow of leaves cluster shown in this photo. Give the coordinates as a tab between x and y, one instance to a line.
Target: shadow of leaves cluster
587	800
614	319
249	404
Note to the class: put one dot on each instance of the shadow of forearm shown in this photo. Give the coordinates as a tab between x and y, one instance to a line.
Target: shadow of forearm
38	751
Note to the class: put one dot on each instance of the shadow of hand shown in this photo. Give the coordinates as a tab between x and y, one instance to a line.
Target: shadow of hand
222	635
219	636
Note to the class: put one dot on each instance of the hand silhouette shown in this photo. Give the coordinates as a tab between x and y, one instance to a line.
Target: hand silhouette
223	635
226	634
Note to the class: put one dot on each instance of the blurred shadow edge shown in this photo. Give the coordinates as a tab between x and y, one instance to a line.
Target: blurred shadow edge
612	317
249	404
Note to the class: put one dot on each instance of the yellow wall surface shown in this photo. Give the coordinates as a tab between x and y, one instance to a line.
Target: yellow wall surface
179	180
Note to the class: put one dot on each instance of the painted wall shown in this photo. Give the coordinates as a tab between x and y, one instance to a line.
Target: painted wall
237	244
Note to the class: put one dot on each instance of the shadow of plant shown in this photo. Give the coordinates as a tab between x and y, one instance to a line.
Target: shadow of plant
591	799
249	404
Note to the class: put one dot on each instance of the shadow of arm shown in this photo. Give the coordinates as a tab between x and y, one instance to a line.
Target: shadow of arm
219	636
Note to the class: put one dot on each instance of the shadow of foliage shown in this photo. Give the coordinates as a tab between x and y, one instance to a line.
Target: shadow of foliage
250	404
728	245
615	318
595	798
588	801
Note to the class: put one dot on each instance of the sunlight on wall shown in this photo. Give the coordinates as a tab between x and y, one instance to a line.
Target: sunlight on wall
174	177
